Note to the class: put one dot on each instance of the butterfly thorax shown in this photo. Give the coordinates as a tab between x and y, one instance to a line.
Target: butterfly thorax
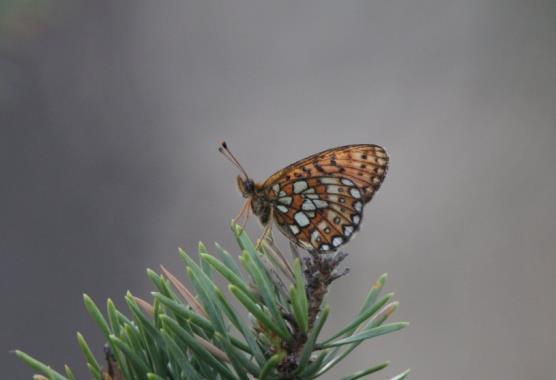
255	193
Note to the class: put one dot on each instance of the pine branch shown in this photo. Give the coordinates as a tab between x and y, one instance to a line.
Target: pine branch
194	332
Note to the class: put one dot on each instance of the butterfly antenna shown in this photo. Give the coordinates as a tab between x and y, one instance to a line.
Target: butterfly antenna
228	154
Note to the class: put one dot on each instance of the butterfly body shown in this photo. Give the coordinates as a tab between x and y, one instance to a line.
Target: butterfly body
259	203
317	202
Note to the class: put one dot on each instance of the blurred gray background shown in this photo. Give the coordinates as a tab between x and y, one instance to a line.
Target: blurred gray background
110	116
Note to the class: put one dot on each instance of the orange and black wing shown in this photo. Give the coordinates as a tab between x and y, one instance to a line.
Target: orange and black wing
318	201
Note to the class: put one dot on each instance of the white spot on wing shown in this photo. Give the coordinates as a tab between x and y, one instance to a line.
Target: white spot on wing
337	241
282	209
355	193
356	219
276	188
308	205
329	181
314	236
301	219
348	230
285	200
324	247
320	203
282	193
348	182
358	206
299	186
294	229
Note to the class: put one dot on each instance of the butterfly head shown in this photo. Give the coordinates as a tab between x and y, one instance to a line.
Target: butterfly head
246	186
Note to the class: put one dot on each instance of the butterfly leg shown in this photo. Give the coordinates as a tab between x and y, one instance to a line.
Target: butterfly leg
267	232
243	213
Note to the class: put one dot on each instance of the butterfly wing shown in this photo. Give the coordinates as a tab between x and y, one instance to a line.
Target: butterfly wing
365	164
318	201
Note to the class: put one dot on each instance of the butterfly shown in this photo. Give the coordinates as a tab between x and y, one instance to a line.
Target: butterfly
316	202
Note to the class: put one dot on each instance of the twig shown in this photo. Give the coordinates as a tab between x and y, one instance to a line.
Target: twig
320	271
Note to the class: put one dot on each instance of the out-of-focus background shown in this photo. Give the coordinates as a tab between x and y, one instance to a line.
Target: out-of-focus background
110	116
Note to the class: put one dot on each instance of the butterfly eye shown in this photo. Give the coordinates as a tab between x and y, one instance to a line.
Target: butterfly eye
249	186
246	186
